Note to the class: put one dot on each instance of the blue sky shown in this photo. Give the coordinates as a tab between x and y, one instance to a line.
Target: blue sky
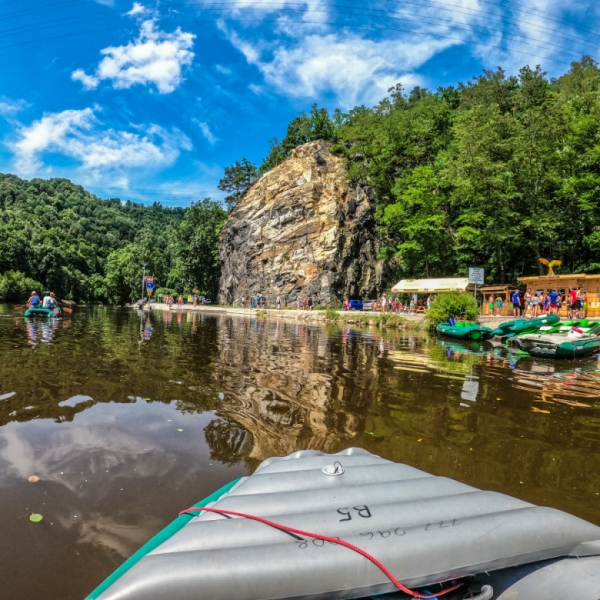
151	100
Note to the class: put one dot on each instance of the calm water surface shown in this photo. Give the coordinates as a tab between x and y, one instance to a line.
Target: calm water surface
129	418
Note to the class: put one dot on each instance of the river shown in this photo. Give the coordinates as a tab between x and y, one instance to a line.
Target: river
128	418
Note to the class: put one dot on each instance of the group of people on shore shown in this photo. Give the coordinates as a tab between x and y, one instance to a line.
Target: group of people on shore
542	303
191	299
393	304
305	303
258	301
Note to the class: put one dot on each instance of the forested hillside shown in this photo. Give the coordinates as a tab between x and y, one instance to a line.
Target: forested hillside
55	235
497	172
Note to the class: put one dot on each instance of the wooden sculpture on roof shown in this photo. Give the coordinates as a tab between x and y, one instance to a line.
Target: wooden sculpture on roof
551	264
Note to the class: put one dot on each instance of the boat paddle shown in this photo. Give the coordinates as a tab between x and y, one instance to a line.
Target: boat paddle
19	306
67	310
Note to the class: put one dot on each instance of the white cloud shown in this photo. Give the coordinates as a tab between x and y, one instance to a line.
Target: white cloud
316	51
311	9
8	107
355	69
224	70
259	90
89	81
155	57
206	132
137	9
80	136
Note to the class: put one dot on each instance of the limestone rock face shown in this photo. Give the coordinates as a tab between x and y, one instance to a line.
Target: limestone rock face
299	231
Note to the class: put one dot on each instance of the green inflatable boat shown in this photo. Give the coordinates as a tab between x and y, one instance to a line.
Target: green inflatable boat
512	328
585	325
42	312
558	345
465	330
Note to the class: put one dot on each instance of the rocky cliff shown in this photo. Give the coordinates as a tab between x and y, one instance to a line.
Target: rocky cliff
300	231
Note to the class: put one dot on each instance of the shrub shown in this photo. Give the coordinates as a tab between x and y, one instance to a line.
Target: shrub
16	287
453	304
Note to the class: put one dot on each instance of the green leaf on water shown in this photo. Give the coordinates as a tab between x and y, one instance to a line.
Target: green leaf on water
148	399
180	430
35	517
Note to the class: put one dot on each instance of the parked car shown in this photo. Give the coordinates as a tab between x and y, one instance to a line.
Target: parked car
355	305
369	304
205	300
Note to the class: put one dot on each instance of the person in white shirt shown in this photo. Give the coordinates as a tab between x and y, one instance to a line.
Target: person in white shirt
383	303
49	302
278	302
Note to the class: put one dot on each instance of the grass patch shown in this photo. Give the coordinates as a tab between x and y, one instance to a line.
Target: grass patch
331	314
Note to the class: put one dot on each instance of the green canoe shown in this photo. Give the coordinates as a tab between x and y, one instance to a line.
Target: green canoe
558	345
464	330
42	312
511	328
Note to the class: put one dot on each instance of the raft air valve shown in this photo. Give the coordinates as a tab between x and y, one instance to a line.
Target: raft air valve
334	469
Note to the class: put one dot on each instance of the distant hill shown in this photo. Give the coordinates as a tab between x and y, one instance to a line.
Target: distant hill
57	233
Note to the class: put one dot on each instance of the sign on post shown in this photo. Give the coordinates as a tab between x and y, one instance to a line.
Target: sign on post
149	278
477	275
149	286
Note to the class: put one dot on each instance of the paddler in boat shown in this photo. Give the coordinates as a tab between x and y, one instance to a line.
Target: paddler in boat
34	300
49	301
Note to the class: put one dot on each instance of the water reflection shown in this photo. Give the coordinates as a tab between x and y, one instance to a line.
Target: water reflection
43	330
128	417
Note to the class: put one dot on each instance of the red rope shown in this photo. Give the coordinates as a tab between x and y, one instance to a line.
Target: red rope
326	538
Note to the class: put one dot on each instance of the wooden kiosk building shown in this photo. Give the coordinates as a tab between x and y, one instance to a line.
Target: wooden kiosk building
563	283
505	292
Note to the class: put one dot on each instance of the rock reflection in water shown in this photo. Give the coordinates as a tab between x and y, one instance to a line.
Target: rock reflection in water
283	383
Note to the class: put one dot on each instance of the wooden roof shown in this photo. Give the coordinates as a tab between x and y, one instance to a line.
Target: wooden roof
541	278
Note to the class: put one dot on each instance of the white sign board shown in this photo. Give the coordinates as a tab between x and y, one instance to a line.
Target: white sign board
477	275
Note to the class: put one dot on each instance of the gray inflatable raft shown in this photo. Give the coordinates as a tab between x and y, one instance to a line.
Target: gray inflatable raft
426	530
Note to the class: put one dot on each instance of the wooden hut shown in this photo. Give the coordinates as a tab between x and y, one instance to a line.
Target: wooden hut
563	283
505	292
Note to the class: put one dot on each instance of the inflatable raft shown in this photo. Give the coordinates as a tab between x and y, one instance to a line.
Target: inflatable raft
465	330
311	525
42	312
512	328
558	345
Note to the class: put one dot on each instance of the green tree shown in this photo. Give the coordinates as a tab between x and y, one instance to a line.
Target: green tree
124	269
195	245
238	178
318	125
504	168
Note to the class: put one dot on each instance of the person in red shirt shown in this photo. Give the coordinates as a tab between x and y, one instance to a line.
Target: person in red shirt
573	304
